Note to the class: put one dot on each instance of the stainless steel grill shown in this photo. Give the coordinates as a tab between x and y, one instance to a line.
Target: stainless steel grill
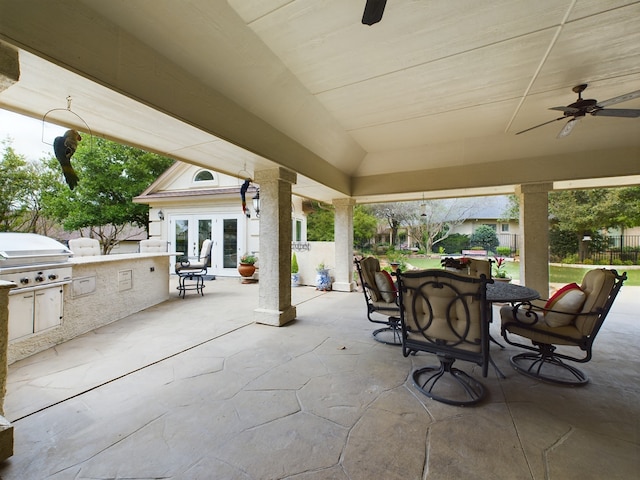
39	266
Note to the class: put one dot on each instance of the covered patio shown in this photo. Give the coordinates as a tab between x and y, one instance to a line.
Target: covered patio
300	94
179	392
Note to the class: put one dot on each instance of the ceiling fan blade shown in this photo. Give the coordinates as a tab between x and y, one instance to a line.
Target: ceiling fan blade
542	124
569	126
373	11
617	112
570	110
620	99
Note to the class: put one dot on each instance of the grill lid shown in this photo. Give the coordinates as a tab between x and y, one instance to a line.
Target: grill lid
17	249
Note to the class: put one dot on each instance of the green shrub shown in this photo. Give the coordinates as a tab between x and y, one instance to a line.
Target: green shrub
503	251
485	238
454	243
573	258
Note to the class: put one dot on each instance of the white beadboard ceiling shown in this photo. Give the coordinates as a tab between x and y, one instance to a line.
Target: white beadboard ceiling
435	91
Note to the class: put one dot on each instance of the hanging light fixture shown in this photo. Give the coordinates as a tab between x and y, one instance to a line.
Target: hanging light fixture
424	207
256	203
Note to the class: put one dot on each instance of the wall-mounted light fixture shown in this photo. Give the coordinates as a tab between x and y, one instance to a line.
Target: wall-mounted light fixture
256	203
160	214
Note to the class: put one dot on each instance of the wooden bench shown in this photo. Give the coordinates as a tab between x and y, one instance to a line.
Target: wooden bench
474	253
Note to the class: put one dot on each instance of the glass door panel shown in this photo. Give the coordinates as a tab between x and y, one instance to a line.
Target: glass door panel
230	243
181	238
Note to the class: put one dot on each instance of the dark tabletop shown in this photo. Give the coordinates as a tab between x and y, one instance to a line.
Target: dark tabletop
509	292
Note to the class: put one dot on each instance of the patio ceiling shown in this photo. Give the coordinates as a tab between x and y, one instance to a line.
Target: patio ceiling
426	102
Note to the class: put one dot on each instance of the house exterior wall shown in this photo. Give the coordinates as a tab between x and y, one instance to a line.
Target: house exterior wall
181	194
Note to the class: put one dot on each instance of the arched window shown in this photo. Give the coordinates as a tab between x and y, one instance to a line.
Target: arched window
203	176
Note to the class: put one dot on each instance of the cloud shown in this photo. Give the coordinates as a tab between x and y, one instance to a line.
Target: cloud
27	134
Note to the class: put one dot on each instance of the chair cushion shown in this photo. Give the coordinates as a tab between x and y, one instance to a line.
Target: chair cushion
369	266
569	299
385	286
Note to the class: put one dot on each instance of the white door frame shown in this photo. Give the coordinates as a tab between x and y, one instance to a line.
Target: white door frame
236	236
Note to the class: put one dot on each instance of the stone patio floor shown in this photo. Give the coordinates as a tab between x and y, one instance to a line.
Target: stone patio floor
194	389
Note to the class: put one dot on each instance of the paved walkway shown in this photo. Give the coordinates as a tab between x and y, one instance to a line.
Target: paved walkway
193	389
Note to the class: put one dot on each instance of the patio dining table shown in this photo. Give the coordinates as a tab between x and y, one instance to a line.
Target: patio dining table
503	292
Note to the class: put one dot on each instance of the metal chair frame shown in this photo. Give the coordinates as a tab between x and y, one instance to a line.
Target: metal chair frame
390	334
417	336
547	364
190	271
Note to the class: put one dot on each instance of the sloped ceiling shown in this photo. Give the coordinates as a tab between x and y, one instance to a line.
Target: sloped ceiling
428	100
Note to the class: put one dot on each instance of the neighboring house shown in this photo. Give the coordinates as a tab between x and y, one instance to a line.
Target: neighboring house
486	211
189	204
491	211
131	237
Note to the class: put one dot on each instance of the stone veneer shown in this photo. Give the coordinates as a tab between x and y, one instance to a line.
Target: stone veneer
104	289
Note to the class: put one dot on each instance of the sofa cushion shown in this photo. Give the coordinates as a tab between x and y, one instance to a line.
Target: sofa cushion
569	299
385	286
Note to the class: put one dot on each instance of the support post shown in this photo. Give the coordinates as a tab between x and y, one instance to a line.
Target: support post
6	429
534	236
343	234
9	66
274	303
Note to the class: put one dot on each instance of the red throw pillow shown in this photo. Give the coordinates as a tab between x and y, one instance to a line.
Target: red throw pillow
569	300
393	284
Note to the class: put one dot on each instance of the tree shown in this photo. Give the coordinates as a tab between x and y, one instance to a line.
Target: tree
485	237
110	174
364	226
429	221
438	218
320	223
20	184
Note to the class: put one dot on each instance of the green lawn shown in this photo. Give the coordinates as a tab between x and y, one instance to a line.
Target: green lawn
557	274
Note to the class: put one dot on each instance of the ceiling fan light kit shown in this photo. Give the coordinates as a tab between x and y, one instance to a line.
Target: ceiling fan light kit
583	106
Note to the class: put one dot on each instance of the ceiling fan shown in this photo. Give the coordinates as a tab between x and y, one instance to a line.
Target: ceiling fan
582	106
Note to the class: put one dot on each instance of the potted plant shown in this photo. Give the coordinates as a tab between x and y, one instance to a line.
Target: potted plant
323	280
500	270
246	266
295	276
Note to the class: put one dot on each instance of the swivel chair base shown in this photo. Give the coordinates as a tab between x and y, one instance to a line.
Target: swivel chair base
391	335
448	384
548	368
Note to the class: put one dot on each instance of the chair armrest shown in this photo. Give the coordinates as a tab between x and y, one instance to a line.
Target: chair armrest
528	314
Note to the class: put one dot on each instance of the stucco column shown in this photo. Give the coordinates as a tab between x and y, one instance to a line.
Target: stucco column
343	234
6	429
9	66
534	236
274	303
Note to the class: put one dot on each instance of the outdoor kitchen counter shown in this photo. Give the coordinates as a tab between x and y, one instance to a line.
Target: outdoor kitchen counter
103	289
119	257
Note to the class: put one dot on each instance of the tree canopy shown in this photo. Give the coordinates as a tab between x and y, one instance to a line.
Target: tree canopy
110	175
582	211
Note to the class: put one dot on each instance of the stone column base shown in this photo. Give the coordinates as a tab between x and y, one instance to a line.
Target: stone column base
6	439
274	317
343	286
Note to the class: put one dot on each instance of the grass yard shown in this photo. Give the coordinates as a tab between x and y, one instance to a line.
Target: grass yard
557	274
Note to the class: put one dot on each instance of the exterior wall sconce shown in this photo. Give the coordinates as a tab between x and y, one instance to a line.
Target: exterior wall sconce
256	203
161	215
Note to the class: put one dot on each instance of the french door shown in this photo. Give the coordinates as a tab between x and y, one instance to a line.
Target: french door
187	232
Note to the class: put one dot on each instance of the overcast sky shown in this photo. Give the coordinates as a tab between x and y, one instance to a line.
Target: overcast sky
27	135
